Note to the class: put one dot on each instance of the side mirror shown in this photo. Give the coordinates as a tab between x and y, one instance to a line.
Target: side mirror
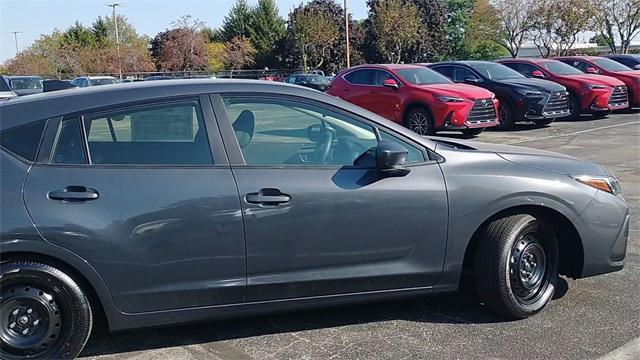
390	158
591	70
537	74
390	83
471	79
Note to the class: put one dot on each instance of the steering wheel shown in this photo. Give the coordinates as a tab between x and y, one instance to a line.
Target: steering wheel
321	154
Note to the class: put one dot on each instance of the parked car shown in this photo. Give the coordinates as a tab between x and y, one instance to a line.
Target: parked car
169	202
313	81
588	93
603	66
86	81
421	99
5	89
521	99
25	85
630	60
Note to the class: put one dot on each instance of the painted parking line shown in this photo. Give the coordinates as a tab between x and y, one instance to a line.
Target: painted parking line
574	133
628	351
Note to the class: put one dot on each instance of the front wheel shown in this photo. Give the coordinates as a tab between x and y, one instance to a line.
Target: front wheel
420	121
43	312
516	265
505	115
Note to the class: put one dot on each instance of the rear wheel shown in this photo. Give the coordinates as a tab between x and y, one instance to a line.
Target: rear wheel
43	312
420	121
472	132
517	266
505	115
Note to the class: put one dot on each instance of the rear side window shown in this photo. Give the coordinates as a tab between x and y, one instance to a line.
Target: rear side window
23	140
169	134
67	145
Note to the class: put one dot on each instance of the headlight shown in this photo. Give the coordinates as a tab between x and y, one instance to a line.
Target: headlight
608	184
527	92
595	86
450	99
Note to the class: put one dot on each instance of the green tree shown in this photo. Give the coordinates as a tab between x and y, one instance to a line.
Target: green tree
457	28
212	35
432	44
237	22
484	26
215	56
100	31
312	32
394	25
266	28
558	23
78	35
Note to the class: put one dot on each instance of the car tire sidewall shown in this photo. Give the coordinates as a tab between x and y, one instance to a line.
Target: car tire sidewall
509	123
77	319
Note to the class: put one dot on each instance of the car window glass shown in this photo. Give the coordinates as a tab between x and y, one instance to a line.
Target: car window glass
415	155
67	146
361	77
460	73
283	132
23	140
444	70
527	69
159	134
381	76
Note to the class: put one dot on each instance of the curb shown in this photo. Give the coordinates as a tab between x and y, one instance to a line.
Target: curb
630	350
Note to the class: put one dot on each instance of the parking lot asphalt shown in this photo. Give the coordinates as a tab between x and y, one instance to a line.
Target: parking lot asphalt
589	318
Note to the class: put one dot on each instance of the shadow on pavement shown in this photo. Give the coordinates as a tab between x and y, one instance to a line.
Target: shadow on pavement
459	308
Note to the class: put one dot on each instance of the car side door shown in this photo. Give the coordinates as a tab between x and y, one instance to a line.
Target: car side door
144	194
317	220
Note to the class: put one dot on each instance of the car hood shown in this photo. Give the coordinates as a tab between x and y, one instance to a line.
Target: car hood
460	90
596	79
541	159
537	84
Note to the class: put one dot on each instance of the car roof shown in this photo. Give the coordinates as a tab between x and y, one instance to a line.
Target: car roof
527	60
384	66
99	77
24	77
623	56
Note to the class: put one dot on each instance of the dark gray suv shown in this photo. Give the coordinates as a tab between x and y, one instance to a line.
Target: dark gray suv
175	201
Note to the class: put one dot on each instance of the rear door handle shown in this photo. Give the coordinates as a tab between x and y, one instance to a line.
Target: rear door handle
74	193
267	196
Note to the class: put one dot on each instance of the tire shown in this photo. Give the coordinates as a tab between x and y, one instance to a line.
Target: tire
472	132
544	122
420	121
601	114
505	115
574	107
60	320
516	266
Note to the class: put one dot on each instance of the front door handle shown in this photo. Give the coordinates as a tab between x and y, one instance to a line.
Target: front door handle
74	193
267	197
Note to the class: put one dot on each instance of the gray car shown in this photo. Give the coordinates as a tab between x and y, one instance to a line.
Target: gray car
166	202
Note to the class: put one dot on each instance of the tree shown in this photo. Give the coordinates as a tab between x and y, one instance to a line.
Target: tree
558	24
212	35
181	48
215	56
394	25
238	53
312	32
457	28
236	23
517	19
432	44
266	28
484	26
617	17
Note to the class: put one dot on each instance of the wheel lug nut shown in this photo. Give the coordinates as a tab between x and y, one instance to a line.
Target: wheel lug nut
25	331
29	311
12	325
15	312
35	323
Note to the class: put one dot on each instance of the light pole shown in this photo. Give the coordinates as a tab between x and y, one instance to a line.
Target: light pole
15	37
346	28
115	21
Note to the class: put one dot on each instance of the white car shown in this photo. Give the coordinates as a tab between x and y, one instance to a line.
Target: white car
5	90
86	81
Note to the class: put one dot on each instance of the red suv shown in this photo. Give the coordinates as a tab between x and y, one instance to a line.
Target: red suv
588	93
420	98
603	66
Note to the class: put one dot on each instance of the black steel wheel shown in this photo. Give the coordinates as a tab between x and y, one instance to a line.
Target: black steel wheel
420	121
43	313
517	265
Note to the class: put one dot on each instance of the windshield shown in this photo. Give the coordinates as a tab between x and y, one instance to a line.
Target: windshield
610	65
495	71
422	76
317	79
95	82
560	68
26	83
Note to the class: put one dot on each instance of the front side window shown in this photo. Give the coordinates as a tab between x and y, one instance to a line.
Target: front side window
170	134
495	71
460	74
286	132
610	65
361	77
414	155
559	68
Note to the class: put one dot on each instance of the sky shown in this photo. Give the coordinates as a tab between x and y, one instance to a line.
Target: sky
35	17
